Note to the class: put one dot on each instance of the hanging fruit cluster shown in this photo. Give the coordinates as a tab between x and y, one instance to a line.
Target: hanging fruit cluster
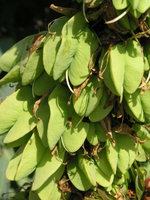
80	116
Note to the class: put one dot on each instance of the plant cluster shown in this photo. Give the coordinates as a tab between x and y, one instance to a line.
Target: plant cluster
79	119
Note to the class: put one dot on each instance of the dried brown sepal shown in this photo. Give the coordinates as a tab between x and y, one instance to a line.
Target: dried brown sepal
120	195
110	100
36	43
123	128
143	25
49	25
93	59
103	63
95	150
63	185
64	11
106	124
144	85
131	193
120	113
85	152
78	90
37	103
69	122
54	150
138	140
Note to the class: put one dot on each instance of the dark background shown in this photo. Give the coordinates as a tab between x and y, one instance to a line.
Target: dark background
19	18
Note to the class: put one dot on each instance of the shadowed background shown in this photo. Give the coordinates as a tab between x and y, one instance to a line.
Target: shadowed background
19	18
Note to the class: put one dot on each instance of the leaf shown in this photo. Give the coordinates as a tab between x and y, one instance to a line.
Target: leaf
126	152
101	111
77	46
112	156
9	116
140	154
130	62
87	167
146	66
138	188
31	156
76	133
33	196
24	124
100	132
78	90
12	56
102	163
16	104
77	177
47	167
120	4
134	106
119	179
134	4
134	64
20	195
33	68
127	22
92	137
19	142
80	105
103	66
141	6
146	146
60	114
116	55
89	98
138	105
141	131
52	44
104	173
43	114
145	104
80	66
69	43
43	84
12	76
102	179
50	188
13	164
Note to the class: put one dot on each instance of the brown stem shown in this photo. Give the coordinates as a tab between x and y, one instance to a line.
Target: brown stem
37	103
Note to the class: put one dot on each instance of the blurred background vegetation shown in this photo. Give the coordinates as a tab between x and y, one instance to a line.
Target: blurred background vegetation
19	18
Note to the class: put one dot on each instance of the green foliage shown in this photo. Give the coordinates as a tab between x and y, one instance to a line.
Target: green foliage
79	116
130	62
137	7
